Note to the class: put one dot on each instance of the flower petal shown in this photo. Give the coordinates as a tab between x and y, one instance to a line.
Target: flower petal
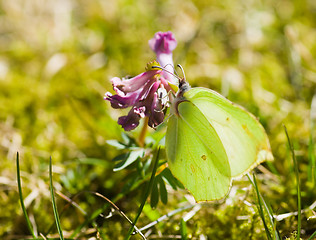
126	99
140	111
133	84
129	122
157	115
118	101
163	42
147	102
166	61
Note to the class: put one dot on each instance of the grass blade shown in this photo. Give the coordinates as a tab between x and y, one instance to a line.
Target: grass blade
28	222
148	190
260	208
53	201
183	230
297	185
311	147
312	236
312	161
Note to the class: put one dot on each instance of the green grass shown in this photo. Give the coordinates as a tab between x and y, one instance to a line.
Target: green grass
27	219
56	62
56	214
298	188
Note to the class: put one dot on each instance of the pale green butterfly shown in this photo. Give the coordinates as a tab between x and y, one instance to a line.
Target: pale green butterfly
211	140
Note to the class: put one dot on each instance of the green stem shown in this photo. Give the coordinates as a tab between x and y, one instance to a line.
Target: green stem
142	135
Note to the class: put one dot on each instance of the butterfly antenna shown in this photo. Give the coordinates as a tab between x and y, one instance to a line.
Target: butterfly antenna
183	84
164	69
169	64
179	66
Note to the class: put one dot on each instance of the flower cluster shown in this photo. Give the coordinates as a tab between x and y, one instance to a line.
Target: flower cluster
146	93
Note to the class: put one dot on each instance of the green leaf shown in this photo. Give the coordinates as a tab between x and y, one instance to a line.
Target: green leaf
127	139
121	157
116	144
169	178
130	158
154	198
162	190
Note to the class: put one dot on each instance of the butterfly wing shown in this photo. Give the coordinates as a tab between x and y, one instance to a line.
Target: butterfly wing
196	155
244	139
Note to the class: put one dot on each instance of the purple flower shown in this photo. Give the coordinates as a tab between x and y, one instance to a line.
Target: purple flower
140	93
163	43
146	93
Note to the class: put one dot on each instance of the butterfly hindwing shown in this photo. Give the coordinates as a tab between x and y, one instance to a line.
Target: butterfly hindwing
196	155
244	139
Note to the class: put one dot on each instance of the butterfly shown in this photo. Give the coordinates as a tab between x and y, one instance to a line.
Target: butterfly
210	140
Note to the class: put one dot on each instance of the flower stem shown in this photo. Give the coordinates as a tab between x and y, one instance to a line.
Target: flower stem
142	135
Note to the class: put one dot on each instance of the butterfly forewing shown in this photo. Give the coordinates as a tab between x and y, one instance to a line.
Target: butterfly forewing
196	155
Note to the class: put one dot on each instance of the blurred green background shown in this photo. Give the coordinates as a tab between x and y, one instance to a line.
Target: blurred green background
56	61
